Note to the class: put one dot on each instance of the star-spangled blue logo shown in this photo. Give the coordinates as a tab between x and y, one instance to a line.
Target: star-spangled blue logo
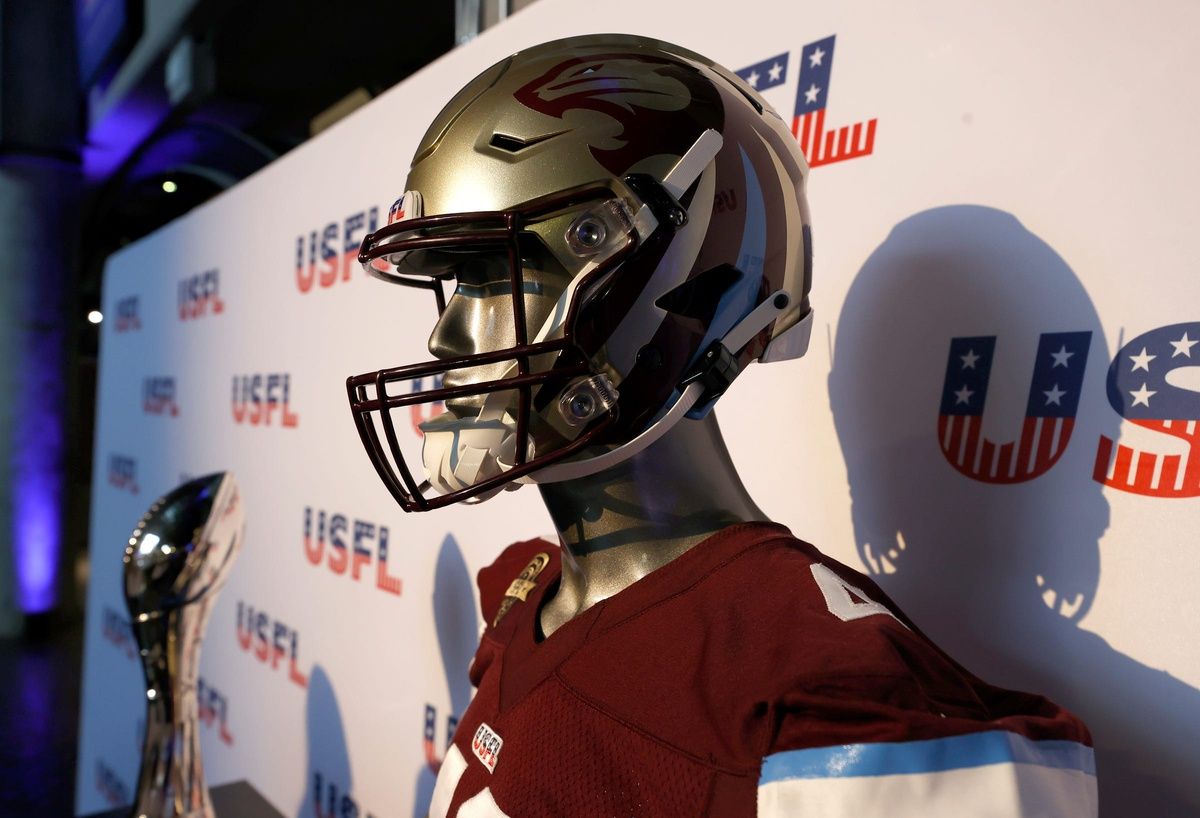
1054	391
766	74
1138	380
816	70
1144	387
821	145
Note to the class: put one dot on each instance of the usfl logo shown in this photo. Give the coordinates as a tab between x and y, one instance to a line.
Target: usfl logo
158	396
122	473
821	146
422	412
487	744
213	710
348	547
433	759
1049	415
258	398
112	788
269	641
200	295
1145	386
329	255
332	801
117	631
128	312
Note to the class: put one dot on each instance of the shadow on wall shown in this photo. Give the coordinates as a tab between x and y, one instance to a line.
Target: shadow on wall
328	778
456	618
1000	574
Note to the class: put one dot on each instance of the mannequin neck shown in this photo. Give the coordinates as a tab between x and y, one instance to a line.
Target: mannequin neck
617	526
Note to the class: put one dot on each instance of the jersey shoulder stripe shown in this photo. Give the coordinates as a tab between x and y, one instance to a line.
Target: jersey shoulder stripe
930	755
1014	775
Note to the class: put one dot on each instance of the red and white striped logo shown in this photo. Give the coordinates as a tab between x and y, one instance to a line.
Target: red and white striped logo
486	745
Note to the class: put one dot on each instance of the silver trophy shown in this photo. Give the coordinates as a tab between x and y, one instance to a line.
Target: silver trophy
177	560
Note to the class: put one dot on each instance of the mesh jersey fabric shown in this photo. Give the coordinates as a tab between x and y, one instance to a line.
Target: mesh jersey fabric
664	699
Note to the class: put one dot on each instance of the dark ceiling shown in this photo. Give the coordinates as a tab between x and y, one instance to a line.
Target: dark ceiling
274	67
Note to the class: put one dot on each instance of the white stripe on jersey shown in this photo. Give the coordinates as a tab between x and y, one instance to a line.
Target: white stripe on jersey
481	805
447	781
996	774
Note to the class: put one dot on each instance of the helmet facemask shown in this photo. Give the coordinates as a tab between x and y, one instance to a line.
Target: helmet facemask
519	391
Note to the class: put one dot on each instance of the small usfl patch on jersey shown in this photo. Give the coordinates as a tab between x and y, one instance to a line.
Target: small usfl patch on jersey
486	746
519	590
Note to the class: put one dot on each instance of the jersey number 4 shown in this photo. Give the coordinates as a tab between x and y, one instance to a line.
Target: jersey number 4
845	601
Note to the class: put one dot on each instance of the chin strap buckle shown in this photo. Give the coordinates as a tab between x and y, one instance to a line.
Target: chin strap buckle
715	370
717	367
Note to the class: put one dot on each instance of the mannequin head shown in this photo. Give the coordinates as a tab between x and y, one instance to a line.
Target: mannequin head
613	227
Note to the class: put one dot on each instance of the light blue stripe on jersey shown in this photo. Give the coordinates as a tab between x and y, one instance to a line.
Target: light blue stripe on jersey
932	755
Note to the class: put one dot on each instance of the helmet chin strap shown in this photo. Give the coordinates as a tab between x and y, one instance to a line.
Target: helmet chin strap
733	342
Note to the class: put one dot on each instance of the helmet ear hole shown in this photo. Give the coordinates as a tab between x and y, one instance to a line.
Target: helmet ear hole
699	296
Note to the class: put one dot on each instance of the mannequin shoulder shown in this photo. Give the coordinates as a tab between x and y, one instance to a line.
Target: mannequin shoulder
784	609
787	577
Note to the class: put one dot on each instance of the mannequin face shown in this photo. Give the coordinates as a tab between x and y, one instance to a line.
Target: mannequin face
479	318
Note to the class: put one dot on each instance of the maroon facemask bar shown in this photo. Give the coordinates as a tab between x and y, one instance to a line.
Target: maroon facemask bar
487	232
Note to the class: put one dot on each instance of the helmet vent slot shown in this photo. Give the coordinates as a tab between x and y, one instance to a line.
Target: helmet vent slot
515	144
699	296
758	106
507	143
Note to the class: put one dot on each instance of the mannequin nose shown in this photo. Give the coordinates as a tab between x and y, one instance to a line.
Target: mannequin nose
469	326
480	317
472	324
451	336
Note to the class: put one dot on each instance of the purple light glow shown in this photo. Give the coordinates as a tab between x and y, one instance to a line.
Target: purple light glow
112	139
38	455
36	504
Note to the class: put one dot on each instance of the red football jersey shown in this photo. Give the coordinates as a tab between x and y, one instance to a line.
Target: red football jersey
750	676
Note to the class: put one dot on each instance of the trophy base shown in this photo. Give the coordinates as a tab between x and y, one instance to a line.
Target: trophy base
236	800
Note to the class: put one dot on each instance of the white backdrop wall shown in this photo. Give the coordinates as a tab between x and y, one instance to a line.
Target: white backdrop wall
1031	172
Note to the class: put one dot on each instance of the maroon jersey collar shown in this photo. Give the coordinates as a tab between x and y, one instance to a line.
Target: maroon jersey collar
527	662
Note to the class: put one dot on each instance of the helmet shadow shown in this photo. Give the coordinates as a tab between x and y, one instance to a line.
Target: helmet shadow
457	620
1000	575
328	758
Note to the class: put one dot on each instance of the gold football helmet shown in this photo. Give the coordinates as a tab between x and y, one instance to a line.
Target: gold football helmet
612	228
